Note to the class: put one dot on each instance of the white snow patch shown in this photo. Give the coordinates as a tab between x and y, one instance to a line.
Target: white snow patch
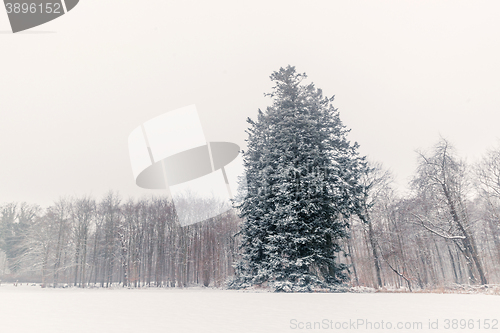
33	309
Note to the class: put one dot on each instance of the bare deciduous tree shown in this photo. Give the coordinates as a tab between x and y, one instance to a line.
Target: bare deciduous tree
442	185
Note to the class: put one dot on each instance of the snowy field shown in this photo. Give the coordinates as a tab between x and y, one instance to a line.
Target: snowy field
33	309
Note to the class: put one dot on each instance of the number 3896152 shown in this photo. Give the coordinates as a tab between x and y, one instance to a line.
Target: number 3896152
33	8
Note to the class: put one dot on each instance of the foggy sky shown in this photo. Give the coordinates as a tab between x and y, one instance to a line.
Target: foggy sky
403	73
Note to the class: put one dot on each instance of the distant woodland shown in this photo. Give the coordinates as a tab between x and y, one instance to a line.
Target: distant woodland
445	231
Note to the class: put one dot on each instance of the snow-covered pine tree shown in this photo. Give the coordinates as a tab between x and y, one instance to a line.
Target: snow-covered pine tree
302	177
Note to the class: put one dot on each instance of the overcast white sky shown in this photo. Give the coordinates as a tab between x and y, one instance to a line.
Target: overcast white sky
403	72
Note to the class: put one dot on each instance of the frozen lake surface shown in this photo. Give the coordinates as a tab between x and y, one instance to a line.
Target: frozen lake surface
33	309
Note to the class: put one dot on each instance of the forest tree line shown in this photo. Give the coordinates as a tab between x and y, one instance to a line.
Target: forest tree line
445	231
82	242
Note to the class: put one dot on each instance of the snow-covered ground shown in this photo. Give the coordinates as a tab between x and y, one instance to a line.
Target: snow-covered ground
36	310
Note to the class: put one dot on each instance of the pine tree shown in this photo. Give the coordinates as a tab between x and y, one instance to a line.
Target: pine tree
302	183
